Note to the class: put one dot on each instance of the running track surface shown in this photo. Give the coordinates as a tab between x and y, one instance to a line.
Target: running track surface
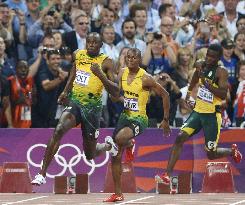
132	199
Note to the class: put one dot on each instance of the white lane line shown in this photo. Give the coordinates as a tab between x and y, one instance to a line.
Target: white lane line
126	202
16	202
239	202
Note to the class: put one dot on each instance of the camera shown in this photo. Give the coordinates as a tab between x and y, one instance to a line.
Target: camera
46	49
195	21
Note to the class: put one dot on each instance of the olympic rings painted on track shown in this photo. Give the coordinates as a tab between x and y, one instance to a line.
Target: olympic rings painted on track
63	162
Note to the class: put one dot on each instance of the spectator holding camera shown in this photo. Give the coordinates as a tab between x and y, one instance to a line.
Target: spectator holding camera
49	21
153	59
50	82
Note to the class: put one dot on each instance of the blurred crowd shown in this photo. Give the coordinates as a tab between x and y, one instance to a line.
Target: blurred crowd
38	38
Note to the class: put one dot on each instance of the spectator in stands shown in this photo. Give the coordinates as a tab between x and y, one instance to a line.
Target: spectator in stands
76	39
5	108
240	24
7	65
139	14
21	95
108	37
97	8
183	68
228	61
6	20
107	16
50	83
49	21
17	5
166	27
23	23
152	16
238	95
153	59
239	41
231	16
217	5
86	5
116	6
47	43
58	39
154	109
129	40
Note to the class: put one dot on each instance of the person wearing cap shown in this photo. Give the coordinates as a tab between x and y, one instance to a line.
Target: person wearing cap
228	61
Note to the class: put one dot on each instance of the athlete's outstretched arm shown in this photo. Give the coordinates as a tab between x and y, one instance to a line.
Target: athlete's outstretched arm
108	80
150	83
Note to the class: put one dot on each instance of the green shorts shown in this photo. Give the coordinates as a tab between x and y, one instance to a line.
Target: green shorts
137	124
209	122
88	116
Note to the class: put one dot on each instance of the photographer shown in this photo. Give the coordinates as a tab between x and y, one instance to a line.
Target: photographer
49	21
50	81
153	59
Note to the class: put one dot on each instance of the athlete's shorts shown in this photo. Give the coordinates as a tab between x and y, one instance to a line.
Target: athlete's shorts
88	116
137	124
211	124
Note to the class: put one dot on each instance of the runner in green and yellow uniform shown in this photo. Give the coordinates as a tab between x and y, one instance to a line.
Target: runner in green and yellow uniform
135	84
91	73
212	80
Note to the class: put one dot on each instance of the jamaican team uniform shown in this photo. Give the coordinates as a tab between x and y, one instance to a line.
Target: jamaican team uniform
206	114
135	99
85	97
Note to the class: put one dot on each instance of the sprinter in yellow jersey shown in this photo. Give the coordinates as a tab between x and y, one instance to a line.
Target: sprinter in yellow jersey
91	73
135	84
206	115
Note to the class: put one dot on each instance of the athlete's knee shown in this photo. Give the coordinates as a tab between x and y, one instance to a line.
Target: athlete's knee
59	130
181	138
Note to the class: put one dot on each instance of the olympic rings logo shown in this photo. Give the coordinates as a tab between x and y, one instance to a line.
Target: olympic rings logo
63	162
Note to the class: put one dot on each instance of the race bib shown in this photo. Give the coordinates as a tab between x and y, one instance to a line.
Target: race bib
131	104
205	95
25	113
82	78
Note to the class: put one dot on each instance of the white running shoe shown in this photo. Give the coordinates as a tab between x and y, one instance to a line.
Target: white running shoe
39	179
114	150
